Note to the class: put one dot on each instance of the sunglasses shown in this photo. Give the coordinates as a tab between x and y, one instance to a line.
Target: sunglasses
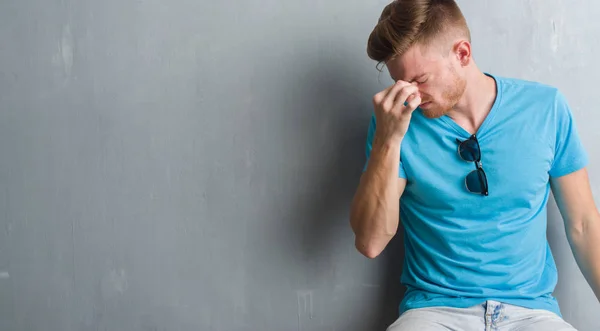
476	180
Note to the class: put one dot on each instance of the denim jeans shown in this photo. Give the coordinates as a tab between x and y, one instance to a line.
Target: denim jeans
489	316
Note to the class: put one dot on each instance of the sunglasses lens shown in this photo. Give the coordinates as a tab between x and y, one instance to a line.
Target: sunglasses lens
469	150
477	182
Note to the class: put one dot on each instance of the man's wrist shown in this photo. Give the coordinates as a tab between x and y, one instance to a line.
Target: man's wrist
386	144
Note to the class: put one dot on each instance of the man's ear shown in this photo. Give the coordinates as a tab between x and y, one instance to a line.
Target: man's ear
462	51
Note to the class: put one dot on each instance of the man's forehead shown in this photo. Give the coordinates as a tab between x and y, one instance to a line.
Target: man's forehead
408	66
401	72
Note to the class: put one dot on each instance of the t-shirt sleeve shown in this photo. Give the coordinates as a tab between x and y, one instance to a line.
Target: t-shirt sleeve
569	153
369	146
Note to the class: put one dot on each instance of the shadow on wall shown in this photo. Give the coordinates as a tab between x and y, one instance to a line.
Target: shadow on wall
329	132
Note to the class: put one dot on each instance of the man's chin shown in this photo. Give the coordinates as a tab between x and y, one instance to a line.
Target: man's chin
433	113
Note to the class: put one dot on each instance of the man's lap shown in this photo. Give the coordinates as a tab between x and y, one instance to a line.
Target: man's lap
435	319
491	315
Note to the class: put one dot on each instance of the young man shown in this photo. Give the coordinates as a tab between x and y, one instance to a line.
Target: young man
473	167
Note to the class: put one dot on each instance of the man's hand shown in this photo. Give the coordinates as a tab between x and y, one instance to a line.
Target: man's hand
393	109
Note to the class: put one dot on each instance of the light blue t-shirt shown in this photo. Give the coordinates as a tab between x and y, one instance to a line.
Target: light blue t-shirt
463	248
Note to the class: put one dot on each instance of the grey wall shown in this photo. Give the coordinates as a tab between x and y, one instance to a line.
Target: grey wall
188	165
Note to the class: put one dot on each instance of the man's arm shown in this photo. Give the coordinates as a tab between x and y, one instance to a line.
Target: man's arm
374	216
582	223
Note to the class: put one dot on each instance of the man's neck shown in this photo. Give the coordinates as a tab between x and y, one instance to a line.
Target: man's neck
476	103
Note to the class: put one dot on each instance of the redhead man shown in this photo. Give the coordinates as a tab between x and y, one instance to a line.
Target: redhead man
466	161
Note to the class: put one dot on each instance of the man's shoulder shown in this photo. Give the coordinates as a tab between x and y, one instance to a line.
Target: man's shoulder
523	84
527	92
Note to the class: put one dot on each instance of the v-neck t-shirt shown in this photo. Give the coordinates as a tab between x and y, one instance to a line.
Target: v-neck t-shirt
463	248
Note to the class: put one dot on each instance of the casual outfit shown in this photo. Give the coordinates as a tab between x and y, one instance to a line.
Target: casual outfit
465	249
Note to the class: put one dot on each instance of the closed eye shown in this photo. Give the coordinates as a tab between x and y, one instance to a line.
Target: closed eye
421	79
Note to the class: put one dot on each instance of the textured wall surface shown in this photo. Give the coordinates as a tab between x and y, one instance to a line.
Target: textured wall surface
188	165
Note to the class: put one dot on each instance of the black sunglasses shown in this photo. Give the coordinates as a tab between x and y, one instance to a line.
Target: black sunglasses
476	180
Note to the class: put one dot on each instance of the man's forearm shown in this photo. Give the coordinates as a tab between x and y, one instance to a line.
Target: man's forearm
374	212
585	243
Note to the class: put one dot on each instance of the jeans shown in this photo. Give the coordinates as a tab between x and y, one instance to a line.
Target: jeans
489	316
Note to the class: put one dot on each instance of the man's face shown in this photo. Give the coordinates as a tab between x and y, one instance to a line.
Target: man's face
436	75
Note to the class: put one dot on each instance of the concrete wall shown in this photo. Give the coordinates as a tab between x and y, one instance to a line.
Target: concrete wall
188	165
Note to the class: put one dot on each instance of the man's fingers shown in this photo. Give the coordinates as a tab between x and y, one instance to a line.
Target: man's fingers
410	97
395	93
392	89
413	102
396	87
379	97
403	96
399	96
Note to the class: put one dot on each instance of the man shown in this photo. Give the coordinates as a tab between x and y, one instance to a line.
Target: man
472	167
